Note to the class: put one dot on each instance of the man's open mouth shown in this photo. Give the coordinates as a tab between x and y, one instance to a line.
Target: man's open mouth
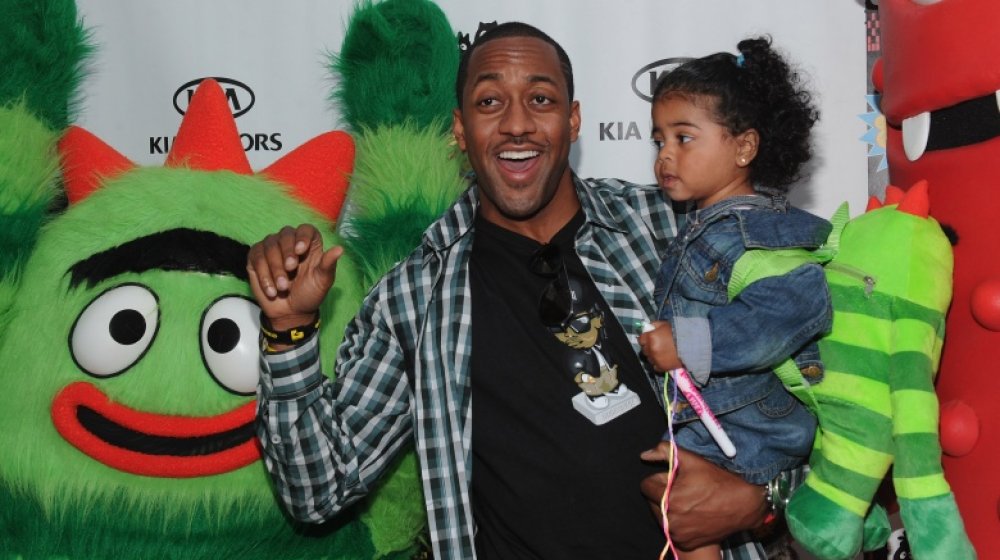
517	161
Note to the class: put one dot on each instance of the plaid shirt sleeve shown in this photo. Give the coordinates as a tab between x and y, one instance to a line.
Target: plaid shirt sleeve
326	442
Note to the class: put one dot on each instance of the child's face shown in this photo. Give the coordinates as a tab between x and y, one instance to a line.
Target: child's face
697	158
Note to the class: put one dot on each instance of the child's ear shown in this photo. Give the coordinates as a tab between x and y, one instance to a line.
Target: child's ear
746	147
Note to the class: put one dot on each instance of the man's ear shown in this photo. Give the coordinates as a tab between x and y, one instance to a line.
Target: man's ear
747	143
574	121
457	128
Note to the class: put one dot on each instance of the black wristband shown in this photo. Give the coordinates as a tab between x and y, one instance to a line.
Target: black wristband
293	336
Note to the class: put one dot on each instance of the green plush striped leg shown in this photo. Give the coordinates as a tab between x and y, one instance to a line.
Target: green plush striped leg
934	527
855	445
877	529
828	520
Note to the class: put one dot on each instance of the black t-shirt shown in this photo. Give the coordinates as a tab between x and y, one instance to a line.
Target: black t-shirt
548	483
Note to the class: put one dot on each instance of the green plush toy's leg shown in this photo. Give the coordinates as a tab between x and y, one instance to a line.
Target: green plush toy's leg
854	448
877	529
827	514
934	527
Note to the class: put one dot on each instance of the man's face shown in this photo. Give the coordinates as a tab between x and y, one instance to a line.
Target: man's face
516	124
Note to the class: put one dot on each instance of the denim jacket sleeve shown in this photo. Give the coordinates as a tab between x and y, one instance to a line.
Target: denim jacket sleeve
770	320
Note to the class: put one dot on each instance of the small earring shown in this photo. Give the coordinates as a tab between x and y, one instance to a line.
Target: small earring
743	161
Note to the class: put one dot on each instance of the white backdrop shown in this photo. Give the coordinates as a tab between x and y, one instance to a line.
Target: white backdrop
275	54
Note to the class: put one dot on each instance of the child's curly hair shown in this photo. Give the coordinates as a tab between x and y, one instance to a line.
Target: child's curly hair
757	90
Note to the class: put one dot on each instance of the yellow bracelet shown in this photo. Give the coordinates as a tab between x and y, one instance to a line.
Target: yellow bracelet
293	336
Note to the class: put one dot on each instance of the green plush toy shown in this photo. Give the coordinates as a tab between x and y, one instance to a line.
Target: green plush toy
890	282
890	285
127	336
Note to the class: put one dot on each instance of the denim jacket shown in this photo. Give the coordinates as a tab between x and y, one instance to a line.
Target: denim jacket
769	320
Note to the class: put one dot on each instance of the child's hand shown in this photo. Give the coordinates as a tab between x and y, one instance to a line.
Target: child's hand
659	348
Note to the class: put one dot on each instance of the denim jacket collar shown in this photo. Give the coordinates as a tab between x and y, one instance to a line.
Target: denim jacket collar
781	227
705	215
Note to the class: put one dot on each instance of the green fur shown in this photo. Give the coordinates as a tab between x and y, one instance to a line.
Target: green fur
404	178
139	203
43	47
396	513
121	529
28	173
398	62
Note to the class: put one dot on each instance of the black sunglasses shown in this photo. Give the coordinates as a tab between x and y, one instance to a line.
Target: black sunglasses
555	306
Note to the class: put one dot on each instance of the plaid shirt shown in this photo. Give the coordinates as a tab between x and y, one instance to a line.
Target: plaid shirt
403	367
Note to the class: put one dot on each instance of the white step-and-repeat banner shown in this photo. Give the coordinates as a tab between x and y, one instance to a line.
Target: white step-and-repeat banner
273	59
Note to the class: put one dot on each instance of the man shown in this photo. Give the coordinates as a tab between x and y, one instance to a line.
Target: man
516	300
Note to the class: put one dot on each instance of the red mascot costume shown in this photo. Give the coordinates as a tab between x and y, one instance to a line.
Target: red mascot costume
939	77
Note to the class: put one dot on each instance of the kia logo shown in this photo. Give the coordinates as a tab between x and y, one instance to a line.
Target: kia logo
238	94
644	81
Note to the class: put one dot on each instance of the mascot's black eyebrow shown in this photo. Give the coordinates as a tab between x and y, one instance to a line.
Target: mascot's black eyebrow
176	249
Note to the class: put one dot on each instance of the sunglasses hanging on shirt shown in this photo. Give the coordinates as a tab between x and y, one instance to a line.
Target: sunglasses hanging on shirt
556	305
564	309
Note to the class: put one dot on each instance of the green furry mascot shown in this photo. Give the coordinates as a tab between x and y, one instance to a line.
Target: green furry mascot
127	335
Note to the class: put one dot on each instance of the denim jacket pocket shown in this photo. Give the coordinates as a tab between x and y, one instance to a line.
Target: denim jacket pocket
704	275
728	393
777	404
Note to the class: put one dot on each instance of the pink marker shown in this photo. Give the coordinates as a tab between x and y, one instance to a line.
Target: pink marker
684	382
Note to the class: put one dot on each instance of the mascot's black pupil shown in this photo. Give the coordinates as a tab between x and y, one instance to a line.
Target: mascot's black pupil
127	327
223	335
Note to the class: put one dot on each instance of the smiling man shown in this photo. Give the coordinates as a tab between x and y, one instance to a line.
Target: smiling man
541	468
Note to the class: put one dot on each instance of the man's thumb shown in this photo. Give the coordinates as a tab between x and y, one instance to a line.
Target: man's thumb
659	453
328	262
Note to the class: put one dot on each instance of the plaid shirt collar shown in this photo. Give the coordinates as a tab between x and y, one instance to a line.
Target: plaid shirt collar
455	224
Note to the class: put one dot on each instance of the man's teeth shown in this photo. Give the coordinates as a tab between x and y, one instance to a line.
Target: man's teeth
518	155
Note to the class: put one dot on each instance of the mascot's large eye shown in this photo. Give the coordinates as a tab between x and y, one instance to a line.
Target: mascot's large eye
114	330
230	332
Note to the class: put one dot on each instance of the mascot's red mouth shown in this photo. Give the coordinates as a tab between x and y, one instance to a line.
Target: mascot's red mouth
151	444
